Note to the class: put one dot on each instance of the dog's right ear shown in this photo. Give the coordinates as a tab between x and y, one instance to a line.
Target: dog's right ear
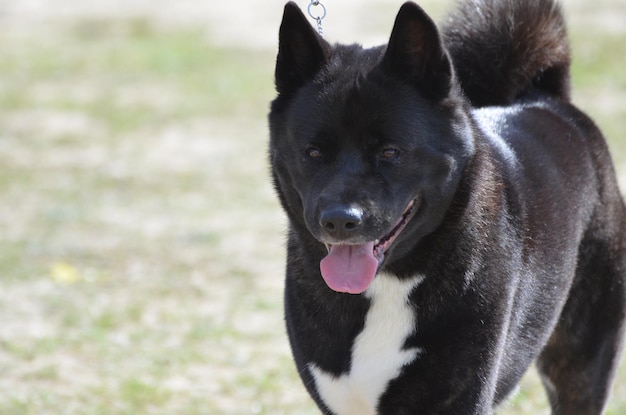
301	51
416	54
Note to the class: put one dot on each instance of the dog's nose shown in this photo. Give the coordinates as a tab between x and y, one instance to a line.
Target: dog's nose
341	222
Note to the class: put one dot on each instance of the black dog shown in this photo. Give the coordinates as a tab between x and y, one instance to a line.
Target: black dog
448	184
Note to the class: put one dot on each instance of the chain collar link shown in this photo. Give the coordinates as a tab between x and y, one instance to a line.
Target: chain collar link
317	11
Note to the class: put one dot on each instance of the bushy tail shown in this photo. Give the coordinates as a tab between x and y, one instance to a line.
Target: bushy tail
505	49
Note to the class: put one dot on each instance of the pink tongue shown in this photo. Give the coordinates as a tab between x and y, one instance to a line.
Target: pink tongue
349	268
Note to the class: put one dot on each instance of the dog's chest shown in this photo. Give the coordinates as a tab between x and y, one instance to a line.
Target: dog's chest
377	352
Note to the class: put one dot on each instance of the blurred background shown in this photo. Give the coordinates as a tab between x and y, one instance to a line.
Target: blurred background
141	245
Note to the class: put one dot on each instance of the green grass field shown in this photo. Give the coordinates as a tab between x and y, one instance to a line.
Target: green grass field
141	246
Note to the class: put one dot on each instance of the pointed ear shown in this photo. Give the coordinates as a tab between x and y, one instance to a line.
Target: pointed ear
416	54
301	51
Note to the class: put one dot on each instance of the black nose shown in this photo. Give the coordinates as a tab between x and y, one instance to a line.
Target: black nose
341	222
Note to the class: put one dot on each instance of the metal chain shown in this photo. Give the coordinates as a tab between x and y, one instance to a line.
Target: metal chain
317	16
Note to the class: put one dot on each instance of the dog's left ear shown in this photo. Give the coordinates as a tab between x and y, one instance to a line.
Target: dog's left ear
301	51
416	54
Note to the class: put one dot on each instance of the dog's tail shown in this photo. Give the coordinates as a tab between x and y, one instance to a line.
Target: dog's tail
504	50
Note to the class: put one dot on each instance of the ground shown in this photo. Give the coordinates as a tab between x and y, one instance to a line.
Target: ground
141	246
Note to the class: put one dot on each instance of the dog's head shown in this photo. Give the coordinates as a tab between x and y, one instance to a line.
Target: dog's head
367	145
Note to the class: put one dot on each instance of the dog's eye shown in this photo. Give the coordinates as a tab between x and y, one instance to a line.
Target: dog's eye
313	152
389	153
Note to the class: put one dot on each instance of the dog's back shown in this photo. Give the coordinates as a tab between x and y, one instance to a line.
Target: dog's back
514	55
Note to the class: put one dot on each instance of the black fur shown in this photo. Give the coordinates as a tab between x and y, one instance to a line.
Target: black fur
504	49
517	224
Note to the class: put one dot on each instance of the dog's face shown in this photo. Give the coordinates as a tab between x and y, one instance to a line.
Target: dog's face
366	144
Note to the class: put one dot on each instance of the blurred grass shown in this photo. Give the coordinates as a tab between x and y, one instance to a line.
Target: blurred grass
128	269
599	83
140	242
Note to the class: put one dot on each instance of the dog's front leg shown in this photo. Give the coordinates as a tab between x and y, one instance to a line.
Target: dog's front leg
461	368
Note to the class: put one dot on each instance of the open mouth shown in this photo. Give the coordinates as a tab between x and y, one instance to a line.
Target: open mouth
352	268
382	245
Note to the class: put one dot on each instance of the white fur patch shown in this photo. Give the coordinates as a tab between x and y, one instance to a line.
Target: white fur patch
377	353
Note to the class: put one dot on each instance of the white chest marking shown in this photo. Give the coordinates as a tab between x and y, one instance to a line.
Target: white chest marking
377	353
